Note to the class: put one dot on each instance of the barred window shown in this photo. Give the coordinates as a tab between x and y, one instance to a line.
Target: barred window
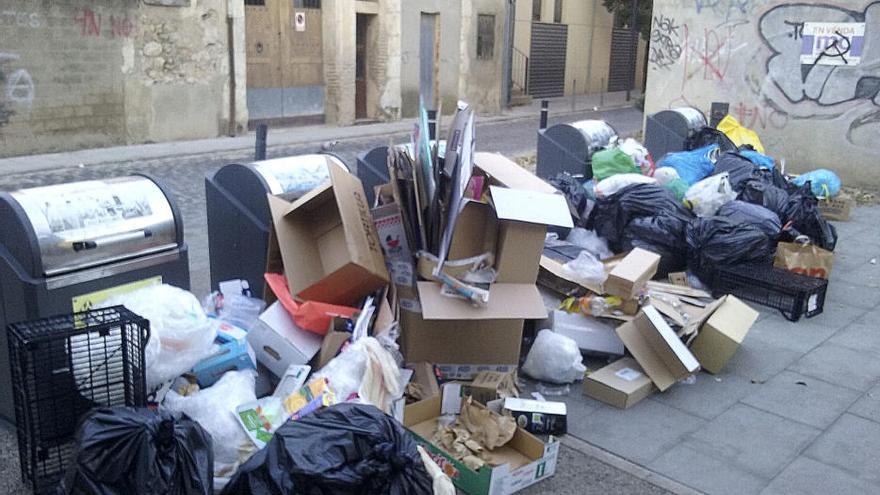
485	36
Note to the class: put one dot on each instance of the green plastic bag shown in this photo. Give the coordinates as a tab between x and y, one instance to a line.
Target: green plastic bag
612	161
678	188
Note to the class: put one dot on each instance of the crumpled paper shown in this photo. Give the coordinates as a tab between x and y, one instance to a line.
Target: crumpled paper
476	431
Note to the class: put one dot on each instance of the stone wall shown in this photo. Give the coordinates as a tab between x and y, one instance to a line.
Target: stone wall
90	73
748	54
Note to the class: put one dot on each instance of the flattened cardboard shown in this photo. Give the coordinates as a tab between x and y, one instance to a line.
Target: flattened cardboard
621	384
837	208
531	207
327	242
506	302
721	335
503	171
657	348
630	275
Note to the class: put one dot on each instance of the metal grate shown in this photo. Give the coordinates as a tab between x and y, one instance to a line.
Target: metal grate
622	69
485	36
64	366
793	294
547	60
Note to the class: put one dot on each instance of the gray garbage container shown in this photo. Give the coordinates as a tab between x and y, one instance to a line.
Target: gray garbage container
67	247
239	220
570	147
668	131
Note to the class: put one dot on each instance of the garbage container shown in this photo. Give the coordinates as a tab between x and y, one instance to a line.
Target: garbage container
239	220
570	147
668	131
67	247
372	168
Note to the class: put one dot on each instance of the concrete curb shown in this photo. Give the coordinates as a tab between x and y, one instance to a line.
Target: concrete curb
628	467
239	144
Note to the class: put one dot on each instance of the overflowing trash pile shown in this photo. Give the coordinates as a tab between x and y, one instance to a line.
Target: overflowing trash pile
385	354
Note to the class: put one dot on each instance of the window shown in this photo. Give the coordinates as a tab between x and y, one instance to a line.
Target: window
485	36
259	3
557	11
307	4
536	10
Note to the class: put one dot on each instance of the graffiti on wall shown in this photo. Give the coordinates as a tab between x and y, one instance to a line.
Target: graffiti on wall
92	24
17	86
665	45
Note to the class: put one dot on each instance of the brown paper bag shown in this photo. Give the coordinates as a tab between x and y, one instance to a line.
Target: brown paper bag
805	259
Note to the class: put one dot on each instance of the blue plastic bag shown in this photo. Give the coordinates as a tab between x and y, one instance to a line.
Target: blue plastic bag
758	159
692	166
823	182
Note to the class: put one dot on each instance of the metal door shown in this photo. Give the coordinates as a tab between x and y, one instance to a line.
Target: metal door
360	67
622	69
547	59
284	59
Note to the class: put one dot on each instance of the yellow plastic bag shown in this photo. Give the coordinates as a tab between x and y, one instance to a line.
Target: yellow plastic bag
740	134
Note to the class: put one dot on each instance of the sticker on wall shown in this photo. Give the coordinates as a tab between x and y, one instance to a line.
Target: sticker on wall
299	21
832	43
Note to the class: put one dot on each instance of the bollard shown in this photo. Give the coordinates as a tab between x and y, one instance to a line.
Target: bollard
260	151
544	105
432	124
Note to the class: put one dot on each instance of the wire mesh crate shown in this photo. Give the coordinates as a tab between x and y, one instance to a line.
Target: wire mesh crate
64	366
793	294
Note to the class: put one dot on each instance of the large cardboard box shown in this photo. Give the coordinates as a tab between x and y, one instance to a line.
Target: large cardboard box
490	385
657	348
621	384
628	278
279	343
326	243
524	461
453	333
721	335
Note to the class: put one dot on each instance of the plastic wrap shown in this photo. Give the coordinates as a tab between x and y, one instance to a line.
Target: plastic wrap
612	161
710	194
554	358
823	182
615	183
587	268
590	241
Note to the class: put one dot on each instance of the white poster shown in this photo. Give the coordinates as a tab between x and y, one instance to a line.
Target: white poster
832	43
299	21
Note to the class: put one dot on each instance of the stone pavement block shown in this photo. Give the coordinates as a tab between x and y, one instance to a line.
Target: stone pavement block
752	440
853	294
710	396
801	336
833	363
806	476
802	398
706	472
862	334
851	445
640	434
758	360
869	405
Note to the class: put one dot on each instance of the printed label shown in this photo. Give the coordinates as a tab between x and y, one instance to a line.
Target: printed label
628	374
88	301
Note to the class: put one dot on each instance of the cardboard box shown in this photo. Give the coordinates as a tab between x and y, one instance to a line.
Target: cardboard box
490	385
326	243
278	342
621	384
837	208
524	461
592	335
539	417
425	377
628	278
721	335
395	245
657	348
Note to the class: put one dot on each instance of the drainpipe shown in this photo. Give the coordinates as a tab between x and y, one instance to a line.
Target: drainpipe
507	60
232	8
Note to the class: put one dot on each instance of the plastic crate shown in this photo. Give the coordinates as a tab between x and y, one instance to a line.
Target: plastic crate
64	366
793	294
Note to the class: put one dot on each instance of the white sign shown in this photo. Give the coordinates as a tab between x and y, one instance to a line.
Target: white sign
299	21
832	43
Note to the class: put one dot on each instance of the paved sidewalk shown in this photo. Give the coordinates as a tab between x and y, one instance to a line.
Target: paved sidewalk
559	107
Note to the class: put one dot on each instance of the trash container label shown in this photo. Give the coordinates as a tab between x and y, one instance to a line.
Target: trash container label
88	301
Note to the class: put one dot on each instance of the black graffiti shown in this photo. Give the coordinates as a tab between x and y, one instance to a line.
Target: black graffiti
798	29
839	50
665	43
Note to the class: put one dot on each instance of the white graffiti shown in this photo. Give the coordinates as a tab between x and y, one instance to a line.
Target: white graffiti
20	19
20	87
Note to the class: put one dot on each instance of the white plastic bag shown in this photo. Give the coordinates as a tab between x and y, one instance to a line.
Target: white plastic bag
665	175
639	155
214	409
589	240
181	334
710	194
554	358
586	268
608	186
364	368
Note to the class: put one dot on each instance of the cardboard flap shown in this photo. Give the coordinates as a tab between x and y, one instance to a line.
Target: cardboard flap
360	231
531	206
509	174
644	354
506	302
668	345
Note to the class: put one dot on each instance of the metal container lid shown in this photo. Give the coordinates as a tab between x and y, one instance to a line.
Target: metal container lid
695	118
598	133
294	176
83	224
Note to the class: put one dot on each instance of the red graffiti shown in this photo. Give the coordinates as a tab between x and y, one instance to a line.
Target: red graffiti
708	55
89	21
756	116
122	27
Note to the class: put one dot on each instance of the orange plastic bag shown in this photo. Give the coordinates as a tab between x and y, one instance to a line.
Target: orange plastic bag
312	316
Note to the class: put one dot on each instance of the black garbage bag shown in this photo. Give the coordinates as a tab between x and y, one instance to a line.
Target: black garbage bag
759	192
751	214
739	168
575	196
128	451
710	135
663	234
612	214
802	210
716	241
343	449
